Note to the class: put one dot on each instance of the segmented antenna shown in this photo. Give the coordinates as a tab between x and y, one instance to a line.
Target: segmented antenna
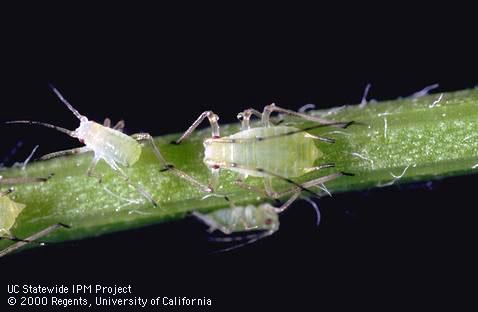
70	107
66	131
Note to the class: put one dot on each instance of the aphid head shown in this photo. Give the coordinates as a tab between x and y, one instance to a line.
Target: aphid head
83	130
269	217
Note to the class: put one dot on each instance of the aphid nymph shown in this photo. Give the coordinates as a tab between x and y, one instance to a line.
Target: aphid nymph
263	218
9	212
109	144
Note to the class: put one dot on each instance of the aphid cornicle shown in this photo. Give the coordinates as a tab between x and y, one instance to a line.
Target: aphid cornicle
109	144
267	151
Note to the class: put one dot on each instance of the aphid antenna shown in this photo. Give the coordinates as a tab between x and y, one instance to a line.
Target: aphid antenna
44	124
70	107
316	208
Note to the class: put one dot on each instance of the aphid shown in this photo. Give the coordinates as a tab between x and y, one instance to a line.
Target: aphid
263	219
108	144
267	151
9	211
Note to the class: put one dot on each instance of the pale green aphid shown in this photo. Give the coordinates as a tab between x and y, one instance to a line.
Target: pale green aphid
9	211
263	219
267	151
108	144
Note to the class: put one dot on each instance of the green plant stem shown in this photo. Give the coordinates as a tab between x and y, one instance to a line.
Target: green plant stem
393	142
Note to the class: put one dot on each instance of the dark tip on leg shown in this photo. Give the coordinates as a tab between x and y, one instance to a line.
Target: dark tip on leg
278	122
348	174
167	167
66	226
174	142
353	123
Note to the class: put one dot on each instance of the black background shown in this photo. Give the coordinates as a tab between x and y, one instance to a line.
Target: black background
160	68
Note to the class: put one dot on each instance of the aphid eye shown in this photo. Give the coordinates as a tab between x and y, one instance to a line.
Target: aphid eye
215	167
268	221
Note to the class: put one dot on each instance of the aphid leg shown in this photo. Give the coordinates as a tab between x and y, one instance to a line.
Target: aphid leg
269	188
311	183
213	225
23	180
289	202
249	187
147	137
32	238
213	120
78	150
91	170
214	178
245	117
170	167
138	188
16	239
292	199
249	239
4	193
273	108
323	166
270	192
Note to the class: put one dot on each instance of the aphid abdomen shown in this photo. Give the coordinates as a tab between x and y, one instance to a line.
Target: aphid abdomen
242	219
110	144
9	211
287	156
